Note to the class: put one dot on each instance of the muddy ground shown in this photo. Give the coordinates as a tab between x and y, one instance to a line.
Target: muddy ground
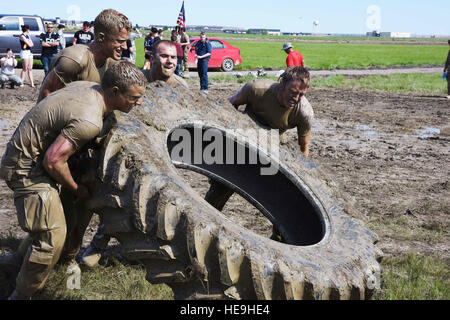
389	154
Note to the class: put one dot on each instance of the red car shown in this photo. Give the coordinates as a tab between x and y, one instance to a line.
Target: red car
223	55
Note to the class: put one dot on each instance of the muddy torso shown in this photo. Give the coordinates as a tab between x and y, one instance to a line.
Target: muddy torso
77	63
262	102
75	111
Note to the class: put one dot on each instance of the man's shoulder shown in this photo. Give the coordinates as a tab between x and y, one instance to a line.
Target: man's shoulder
77	53
262	84
86	91
180	80
258	89
83	84
305	109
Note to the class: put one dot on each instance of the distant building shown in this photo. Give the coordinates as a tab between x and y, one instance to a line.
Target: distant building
270	32
207	29
396	34
234	30
274	32
374	34
296	34
58	20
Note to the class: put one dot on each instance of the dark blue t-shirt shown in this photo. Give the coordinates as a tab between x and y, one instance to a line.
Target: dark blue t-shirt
203	48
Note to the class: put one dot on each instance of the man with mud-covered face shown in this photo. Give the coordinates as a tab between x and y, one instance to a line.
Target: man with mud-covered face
36	167
164	63
89	62
278	105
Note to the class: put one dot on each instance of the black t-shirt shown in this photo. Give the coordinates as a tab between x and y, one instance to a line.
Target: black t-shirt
84	37
127	53
49	38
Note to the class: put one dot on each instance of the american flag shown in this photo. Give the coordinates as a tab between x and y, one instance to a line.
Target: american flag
181	17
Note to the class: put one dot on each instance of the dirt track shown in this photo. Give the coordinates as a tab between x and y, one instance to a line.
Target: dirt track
389	154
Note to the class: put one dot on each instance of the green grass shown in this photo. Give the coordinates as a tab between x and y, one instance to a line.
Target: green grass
260	54
114	282
427	84
415	277
407	277
412	83
327	56
321	38
257	54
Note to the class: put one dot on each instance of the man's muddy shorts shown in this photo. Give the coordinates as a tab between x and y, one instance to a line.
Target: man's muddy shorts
40	213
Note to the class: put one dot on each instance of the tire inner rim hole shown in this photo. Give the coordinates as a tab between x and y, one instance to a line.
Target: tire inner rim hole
296	218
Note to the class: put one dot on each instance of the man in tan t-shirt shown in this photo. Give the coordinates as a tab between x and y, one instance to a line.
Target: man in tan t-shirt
35	163
89	62
164	63
278	105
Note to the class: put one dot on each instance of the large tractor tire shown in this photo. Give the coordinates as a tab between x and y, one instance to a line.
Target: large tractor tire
183	241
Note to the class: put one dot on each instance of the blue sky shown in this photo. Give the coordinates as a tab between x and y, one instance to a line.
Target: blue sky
344	16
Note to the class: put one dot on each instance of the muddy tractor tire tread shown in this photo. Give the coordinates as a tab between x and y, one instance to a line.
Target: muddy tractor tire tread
163	223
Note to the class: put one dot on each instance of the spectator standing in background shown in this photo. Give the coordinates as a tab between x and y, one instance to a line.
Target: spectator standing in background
84	36
133	37
184	42
25	54
62	39
203	54
126	53
294	57
179	53
148	45
7	66
160	35
50	43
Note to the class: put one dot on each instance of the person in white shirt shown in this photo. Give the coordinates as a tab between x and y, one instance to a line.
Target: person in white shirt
7	70
133	37
62	40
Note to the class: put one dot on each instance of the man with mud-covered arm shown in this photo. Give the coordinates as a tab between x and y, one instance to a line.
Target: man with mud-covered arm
89	62
279	105
36	159
164	62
